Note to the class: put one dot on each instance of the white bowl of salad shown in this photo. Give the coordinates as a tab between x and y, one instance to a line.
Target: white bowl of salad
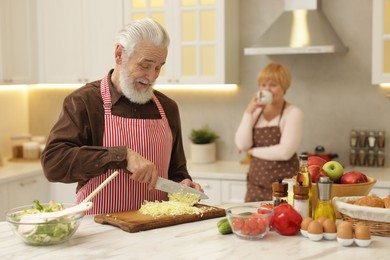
51	231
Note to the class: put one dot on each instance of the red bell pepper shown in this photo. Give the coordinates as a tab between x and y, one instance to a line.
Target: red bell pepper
286	220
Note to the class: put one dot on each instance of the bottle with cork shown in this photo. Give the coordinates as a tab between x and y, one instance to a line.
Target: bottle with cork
304	177
279	192
301	199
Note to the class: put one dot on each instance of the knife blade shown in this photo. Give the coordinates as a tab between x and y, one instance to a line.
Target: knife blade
174	187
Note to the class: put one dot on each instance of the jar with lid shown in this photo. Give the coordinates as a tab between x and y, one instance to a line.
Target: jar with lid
371	139
353	138
380	158
352	157
17	144
31	150
279	192
381	139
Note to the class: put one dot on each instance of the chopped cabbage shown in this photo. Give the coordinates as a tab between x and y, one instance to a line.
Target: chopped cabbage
179	203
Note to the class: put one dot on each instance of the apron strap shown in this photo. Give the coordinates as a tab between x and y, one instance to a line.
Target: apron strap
106	96
281	114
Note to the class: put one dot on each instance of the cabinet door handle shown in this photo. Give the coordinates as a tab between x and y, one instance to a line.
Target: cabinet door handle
31	182
206	186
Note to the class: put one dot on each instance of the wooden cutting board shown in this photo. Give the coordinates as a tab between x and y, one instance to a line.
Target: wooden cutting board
134	221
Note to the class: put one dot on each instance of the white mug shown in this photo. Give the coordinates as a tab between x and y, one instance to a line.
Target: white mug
264	97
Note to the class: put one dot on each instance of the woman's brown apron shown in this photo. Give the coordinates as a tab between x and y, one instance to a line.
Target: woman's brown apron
262	173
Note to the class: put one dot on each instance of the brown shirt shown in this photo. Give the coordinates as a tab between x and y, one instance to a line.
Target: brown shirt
74	151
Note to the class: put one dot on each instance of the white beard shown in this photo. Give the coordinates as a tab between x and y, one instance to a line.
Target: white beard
127	85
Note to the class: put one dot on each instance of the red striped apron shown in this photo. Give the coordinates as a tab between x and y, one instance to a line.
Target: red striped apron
151	138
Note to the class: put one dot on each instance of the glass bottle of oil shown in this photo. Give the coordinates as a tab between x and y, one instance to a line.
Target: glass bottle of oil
304	177
324	206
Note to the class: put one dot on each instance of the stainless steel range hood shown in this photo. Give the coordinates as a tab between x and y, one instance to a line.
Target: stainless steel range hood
301	29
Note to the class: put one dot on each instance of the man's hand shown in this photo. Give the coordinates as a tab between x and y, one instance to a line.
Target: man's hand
142	169
192	184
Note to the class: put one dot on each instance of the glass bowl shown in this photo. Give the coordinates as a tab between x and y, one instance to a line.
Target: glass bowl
49	232
249	222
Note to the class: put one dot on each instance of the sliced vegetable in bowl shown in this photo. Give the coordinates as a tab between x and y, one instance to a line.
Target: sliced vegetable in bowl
50	232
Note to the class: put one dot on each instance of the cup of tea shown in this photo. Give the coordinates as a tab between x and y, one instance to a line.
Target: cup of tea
264	97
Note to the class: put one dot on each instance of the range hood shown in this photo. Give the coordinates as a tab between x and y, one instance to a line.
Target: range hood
301	29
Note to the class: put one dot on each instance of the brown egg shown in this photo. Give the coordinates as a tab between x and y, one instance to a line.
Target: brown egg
362	232
321	219
345	223
329	226
315	227
345	231
305	223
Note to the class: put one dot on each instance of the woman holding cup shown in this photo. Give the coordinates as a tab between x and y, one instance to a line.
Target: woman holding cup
270	131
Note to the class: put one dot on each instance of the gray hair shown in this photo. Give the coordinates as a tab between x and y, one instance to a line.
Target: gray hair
142	30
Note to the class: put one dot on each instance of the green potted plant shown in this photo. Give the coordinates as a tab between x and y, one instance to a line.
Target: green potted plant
203	145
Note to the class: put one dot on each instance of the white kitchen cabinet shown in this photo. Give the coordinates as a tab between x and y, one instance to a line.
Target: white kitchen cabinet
212	188
381	42
221	191
63	192
233	191
17	42
23	191
204	46
77	39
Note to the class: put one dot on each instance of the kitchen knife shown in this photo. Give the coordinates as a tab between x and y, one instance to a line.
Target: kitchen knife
174	187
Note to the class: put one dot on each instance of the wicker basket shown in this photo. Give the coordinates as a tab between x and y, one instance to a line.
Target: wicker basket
377	228
378	219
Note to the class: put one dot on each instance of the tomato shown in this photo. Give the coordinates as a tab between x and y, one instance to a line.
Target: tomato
252	222
238	223
263	208
245	230
255	232
262	224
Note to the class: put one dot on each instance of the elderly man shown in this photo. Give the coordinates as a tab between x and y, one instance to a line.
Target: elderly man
121	123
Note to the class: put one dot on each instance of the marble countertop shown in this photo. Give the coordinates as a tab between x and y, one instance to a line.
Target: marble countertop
197	240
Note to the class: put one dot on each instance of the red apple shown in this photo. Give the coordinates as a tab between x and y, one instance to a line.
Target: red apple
316	160
353	177
316	172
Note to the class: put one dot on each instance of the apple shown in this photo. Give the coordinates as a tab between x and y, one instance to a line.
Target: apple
316	172
353	177
316	160
334	170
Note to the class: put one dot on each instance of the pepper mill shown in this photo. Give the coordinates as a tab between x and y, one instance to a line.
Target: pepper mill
279	192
